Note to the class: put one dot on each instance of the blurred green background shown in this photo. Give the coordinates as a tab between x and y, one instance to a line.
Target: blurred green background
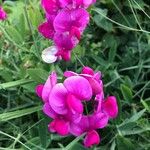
116	42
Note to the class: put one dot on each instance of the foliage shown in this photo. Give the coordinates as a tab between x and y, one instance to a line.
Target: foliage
117	42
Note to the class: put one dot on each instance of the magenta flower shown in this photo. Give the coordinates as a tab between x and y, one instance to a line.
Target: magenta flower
64	103
65	22
3	14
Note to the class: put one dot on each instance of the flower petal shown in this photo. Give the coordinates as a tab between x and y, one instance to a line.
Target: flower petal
98	121
79	87
69	74
97	87
74	104
60	126
64	41
91	138
57	99
49	111
51	81
50	6
110	107
87	70
80	127
49	54
39	90
69	18
3	14
47	30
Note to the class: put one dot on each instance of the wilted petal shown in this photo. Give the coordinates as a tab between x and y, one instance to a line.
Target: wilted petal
79	86
47	30
49	111
110	107
91	139
74	104
57	99
60	126
49	54
39	90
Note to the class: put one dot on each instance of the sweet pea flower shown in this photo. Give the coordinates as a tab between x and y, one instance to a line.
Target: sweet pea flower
64	103
65	22
3	14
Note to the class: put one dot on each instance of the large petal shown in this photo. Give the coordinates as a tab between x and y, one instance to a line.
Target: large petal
67	19
57	99
80	18
47	30
74	104
51	81
91	139
49	111
79	87
110	107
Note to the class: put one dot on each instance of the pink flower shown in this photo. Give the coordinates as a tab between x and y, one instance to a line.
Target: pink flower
3	14
64	103
65	22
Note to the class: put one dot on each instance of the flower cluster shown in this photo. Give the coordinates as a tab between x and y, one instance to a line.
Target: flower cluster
3	14
65	103
65	22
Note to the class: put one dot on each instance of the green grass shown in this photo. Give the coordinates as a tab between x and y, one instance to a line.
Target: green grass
117	42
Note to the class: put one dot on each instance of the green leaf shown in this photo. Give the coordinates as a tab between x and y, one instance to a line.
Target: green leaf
127	93
101	21
43	133
14	34
19	113
15	83
134	118
73	143
38	75
147	107
124	143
